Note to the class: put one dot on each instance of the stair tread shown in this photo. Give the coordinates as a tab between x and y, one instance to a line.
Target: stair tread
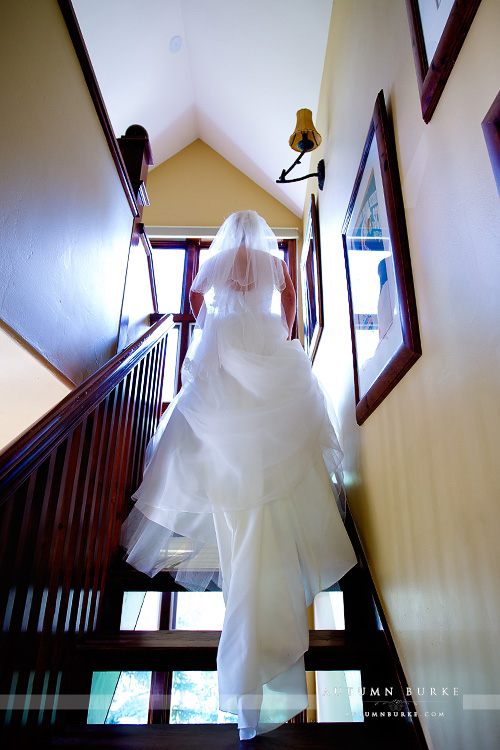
187	649
126	578
199	639
348	736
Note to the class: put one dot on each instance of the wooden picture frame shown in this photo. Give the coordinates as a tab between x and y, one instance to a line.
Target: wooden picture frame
438	30
491	130
310	281
384	323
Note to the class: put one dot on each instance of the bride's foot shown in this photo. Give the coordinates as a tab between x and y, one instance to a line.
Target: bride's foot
247	733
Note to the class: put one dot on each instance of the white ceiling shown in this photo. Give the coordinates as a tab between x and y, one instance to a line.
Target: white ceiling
243	70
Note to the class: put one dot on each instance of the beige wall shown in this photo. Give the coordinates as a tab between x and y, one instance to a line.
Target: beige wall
31	388
198	187
65	222
423	470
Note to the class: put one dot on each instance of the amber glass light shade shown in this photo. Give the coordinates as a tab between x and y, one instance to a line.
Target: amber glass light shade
305	136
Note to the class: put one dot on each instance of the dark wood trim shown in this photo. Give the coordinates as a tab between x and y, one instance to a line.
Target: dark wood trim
69	15
432	75
161	682
126	578
491	130
176	244
160	697
191	267
311	271
367	582
197	650
31	449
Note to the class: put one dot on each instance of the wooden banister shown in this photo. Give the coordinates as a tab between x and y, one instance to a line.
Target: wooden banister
66	487
21	457
69	15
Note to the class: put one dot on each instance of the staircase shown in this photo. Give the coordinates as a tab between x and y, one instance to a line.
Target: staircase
362	645
64	492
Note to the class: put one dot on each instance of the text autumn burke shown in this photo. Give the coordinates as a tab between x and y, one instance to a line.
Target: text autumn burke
388	691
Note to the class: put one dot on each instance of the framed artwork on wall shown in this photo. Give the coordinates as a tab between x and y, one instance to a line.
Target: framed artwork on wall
384	324
438	30
491	130
310	281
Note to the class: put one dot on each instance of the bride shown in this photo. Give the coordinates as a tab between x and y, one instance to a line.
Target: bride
245	464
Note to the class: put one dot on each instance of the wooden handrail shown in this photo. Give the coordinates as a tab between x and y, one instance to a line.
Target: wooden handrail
20	458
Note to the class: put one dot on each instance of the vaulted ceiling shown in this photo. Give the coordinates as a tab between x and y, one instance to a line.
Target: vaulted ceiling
231	72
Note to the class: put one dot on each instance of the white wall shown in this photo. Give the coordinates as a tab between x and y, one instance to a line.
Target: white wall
423	470
65	222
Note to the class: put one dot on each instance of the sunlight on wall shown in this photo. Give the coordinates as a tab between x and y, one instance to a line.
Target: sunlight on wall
422	471
66	221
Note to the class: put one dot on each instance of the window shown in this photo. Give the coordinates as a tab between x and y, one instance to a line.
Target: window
191	697
194	695
129	697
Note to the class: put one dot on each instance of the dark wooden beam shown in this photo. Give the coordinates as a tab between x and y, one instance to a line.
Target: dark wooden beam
83	56
165	650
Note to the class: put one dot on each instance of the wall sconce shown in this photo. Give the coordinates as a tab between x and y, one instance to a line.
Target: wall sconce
305	138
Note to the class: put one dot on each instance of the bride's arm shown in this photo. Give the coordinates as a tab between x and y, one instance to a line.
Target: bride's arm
196	301
288	300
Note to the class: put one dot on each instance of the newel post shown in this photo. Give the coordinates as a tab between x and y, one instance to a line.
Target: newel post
136	152
137	155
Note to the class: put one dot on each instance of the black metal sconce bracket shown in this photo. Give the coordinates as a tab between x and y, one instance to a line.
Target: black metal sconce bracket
320	174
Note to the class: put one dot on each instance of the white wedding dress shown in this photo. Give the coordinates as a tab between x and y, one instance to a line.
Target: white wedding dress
240	471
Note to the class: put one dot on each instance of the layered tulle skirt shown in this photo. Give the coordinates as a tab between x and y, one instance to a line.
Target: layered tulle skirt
242	487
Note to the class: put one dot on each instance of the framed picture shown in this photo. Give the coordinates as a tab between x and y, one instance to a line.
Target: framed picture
310	281
491	130
384	324
438	30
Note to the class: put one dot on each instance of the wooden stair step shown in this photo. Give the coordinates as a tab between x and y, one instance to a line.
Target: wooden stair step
164	650
125	578
382	735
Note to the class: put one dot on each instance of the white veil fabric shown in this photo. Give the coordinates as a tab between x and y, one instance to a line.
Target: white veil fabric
243	259
243	480
238	283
